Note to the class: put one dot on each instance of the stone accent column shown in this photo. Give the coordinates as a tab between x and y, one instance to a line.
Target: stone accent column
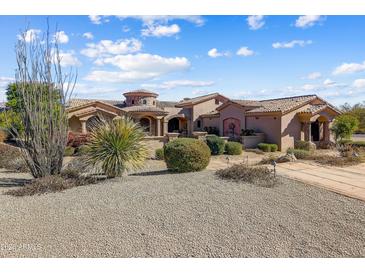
165	127
83	127
326	131
158	127
309	132
321	131
306	131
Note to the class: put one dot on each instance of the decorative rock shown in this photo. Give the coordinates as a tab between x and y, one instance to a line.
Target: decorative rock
290	157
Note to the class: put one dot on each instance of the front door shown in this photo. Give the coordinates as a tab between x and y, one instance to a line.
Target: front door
231	127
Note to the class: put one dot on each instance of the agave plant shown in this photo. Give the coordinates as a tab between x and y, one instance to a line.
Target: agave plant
116	146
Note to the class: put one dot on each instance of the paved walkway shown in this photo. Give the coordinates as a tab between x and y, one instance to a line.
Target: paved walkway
348	181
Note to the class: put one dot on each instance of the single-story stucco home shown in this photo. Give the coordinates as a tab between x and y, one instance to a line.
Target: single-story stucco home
281	121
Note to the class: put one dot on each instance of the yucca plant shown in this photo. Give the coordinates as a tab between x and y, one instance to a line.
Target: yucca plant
116	146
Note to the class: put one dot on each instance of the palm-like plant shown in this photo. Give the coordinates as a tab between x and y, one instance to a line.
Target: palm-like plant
116	146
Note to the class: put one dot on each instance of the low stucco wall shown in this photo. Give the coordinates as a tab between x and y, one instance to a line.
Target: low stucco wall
154	143
253	141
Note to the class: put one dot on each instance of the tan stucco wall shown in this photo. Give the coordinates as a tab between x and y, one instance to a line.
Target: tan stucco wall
268	125
232	111
210	122
200	109
74	124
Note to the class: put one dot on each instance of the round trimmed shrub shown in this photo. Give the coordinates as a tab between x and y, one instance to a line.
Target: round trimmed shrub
82	150
159	154
264	147
216	144
299	153
186	155
69	151
233	148
273	147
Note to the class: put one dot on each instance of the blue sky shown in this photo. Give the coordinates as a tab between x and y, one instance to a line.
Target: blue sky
242	57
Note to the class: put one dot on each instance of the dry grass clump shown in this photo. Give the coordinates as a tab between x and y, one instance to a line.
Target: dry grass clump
51	183
258	175
268	160
11	159
337	161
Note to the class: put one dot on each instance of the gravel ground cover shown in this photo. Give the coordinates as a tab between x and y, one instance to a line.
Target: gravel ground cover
157	214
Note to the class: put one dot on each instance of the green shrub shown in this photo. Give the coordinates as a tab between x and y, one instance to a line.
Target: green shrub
81	150
264	147
186	155
304	145
216	144
299	153
344	126
233	148
69	151
273	147
116	146
260	176
159	154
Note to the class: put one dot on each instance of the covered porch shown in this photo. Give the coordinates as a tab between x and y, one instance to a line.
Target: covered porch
315	124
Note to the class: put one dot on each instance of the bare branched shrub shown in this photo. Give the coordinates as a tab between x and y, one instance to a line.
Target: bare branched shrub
43	91
258	175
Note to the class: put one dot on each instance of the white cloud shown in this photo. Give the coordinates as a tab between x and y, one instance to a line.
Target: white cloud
347	68
29	35
138	67
4	81
60	37
329	82
164	19
245	51
95	19
359	83
314	76
214	53
179	83
291	44
106	47
255	22
307	21
67	59
308	87
160	30
88	35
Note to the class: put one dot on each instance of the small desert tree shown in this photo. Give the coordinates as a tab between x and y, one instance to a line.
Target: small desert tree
344	126
42	90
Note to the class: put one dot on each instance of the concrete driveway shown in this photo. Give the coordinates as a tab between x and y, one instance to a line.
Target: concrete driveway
348	181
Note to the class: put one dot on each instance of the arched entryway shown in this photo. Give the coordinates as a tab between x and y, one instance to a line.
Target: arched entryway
92	122
145	124
231	127
173	125
315	130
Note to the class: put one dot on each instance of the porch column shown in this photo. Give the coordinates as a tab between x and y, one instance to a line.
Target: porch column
158	125
307	131
165	127
83	127
321	131
326	133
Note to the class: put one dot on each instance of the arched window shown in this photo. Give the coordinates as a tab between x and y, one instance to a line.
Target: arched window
132	102
199	124
144	101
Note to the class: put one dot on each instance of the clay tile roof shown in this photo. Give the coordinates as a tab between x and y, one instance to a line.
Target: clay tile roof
141	92
166	104
283	104
314	109
79	102
248	103
144	109
198	99
210	114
